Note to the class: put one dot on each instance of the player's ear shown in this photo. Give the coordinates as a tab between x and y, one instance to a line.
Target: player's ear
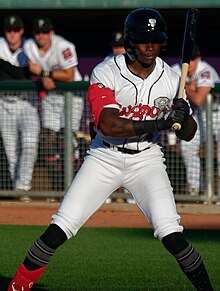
22	31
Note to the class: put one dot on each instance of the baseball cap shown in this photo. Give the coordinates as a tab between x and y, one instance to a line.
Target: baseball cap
42	24
13	22
117	39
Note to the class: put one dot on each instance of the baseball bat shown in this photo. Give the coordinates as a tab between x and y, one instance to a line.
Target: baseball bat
191	25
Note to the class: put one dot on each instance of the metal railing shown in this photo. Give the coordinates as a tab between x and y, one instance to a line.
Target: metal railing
68	163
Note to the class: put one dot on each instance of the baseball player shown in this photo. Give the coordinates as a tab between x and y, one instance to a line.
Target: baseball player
19	118
131	99
117	45
52	58
201	79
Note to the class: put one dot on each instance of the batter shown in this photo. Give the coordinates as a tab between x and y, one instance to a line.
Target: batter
131	98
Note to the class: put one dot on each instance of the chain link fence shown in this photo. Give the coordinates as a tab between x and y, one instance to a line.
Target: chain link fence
39	161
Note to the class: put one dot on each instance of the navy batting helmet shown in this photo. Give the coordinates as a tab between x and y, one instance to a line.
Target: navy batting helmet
143	25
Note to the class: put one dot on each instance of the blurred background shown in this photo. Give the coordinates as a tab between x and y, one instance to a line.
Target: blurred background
89	24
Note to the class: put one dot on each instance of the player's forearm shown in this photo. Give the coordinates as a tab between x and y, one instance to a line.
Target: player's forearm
112	125
188	130
197	97
62	76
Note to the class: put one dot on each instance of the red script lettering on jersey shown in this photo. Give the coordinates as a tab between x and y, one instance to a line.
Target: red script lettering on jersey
139	112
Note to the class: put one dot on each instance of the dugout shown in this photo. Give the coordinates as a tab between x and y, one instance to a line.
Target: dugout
89	24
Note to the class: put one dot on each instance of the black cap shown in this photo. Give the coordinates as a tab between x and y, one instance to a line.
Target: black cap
196	52
42	24
117	39
13	22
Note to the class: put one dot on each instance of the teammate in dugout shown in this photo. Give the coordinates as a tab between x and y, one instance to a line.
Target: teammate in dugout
201	78
132	97
19	120
52	58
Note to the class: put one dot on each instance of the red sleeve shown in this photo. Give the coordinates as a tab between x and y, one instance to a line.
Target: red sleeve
98	97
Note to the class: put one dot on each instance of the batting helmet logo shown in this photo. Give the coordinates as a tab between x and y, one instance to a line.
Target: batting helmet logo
152	24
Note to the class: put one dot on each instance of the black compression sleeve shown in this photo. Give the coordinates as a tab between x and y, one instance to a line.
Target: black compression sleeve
142	127
188	129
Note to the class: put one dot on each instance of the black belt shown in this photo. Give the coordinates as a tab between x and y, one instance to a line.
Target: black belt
124	150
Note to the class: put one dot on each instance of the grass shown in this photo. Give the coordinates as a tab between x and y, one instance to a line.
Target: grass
105	259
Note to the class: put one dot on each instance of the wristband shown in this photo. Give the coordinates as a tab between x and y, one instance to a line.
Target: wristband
45	74
143	127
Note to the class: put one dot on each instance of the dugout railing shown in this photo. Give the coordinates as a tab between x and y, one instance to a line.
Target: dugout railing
53	171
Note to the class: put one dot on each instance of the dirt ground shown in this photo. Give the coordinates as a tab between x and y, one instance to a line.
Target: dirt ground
193	216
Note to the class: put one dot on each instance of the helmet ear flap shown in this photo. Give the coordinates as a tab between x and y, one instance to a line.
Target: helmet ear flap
130	50
163	46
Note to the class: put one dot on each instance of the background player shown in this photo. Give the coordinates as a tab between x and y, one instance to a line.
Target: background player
131	98
117	45
52	58
18	118
201	79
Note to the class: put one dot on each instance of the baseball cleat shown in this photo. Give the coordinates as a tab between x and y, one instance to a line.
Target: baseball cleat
24	279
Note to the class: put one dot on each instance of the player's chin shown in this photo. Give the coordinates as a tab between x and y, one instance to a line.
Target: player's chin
150	59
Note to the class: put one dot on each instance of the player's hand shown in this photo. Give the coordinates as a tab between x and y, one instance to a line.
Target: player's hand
166	121
48	83
180	105
174	115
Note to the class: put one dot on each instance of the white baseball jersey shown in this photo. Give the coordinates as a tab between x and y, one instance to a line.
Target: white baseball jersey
61	55
205	75
136	98
16	58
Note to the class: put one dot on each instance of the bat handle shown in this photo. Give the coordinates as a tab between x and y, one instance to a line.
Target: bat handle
176	126
184	71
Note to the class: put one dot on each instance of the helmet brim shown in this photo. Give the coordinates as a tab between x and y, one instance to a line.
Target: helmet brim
148	37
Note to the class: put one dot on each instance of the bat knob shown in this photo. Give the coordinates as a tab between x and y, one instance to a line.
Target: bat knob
176	126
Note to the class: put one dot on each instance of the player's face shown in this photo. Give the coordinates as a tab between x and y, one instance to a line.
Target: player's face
117	50
147	52
13	36
43	39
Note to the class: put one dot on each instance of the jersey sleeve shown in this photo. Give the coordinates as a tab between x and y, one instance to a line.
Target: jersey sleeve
207	77
30	50
67	55
102	74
